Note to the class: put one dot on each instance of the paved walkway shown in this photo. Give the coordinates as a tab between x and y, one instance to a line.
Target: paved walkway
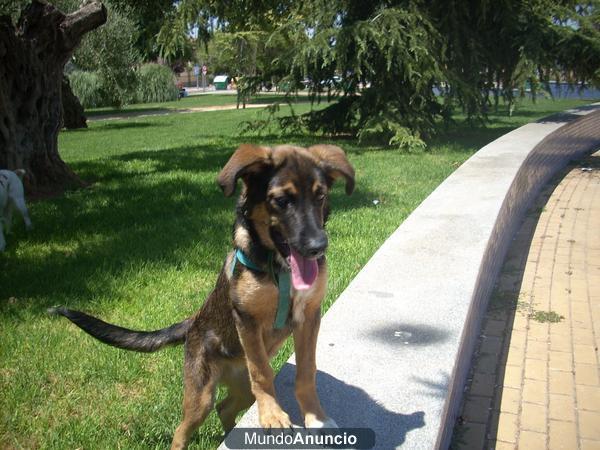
534	382
165	111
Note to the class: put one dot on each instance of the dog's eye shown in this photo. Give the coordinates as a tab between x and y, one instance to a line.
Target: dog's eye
282	202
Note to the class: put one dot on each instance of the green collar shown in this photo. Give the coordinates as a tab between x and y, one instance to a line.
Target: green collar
281	279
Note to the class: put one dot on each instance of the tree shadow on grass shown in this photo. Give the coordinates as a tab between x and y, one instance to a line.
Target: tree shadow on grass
193	159
276	98
121	125
128	113
464	138
196	159
93	237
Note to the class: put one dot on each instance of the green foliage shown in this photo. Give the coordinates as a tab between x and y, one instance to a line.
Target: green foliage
546	316
386	131
87	86
156	83
389	62
173	39
234	54
12	8
110	52
247	56
205	17
148	16
507	47
389	54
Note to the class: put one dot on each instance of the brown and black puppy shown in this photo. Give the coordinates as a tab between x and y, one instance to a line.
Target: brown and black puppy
280	221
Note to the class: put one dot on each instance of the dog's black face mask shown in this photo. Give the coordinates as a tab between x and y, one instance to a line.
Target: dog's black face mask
296	199
285	198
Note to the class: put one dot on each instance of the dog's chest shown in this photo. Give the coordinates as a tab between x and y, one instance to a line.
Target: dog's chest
299	301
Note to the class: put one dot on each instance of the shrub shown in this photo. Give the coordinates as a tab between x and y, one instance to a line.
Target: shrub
156	83
110	52
87	86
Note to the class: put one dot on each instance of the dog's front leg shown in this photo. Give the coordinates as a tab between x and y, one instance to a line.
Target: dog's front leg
261	376
305	344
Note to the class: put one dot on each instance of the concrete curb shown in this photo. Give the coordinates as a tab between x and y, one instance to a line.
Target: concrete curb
395	348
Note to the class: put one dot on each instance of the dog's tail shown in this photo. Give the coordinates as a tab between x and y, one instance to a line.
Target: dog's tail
139	341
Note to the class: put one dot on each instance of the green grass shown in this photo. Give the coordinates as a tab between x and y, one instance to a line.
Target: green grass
141	247
546	316
193	101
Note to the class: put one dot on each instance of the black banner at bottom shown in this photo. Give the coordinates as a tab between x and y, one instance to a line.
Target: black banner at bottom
300	438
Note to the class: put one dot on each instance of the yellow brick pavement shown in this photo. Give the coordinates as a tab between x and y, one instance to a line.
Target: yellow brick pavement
535	380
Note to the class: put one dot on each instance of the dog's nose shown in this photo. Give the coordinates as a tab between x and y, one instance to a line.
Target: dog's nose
316	246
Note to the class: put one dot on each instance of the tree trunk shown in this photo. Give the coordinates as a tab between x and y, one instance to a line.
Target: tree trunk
32	59
73	116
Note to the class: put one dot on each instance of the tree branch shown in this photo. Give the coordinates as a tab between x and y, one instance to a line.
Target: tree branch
89	17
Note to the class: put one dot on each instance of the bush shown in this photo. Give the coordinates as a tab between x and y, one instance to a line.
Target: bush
110	52
156	83
87	86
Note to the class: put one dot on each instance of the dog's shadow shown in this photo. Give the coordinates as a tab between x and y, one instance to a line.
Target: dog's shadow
350	407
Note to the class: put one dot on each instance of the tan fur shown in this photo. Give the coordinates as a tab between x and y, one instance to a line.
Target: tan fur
257	298
262	220
305	343
334	159
283	152
308	299
287	189
241	237
247	158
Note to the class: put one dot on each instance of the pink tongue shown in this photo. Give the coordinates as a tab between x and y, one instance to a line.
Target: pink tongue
304	270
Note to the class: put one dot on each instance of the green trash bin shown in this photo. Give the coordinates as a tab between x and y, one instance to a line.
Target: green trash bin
221	82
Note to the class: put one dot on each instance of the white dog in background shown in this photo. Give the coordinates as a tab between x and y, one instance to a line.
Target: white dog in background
12	196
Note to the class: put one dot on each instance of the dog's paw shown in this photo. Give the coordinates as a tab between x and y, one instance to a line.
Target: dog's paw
275	419
316	423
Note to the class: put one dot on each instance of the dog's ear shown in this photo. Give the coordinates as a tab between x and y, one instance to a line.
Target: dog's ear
334	162
245	160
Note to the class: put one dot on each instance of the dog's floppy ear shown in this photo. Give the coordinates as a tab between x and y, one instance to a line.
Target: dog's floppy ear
246	159
334	162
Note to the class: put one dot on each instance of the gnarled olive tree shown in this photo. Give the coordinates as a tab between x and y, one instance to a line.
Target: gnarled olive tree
32	57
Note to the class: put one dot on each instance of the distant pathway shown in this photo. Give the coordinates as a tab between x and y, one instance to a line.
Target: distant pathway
535	379
164	112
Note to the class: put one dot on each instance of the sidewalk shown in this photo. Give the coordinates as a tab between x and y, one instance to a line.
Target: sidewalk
165	111
534	381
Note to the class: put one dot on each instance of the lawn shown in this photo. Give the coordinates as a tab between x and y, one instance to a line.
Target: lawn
141	247
193	101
